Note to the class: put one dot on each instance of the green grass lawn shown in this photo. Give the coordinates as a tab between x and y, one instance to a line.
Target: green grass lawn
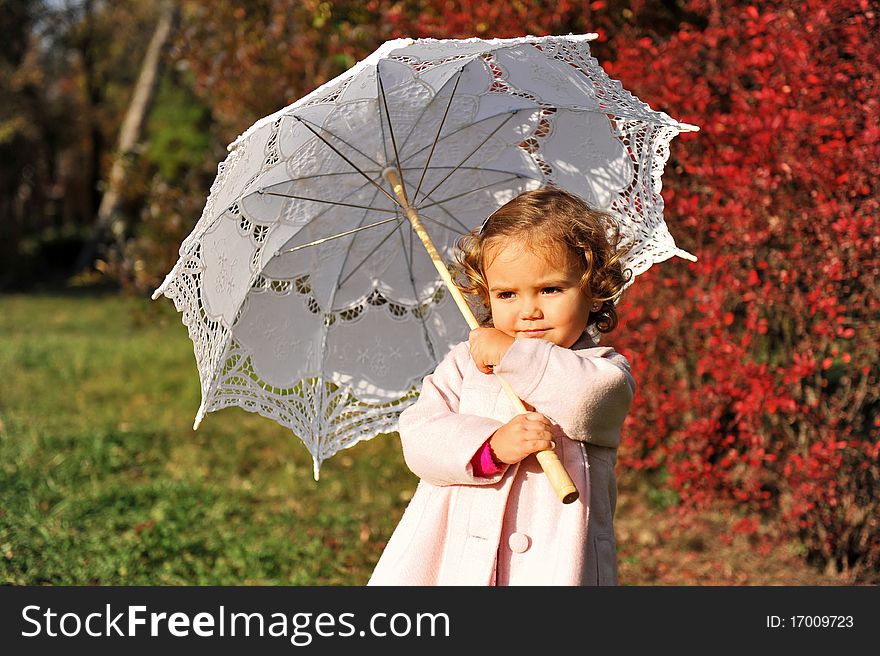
104	482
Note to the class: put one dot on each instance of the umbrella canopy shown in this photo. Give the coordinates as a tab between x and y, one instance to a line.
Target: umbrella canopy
306	295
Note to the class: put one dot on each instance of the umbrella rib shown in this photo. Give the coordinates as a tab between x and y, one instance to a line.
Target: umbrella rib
449	214
336	136
341	234
467	126
437	137
473	168
329	202
472	191
327	209
350	163
407	254
333	297
351	246
381	123
428	104
306	178
464	228
480	145
370	254
656	118
390	128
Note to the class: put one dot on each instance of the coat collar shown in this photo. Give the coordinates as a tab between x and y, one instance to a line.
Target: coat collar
583	342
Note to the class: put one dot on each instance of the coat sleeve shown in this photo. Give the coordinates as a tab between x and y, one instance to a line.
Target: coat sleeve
587	392
438	441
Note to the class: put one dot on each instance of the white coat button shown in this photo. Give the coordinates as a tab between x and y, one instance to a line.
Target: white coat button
518	542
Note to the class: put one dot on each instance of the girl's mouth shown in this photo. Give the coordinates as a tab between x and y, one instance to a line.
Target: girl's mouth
533	332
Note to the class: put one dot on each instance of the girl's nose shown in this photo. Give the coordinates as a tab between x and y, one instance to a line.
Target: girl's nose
530	310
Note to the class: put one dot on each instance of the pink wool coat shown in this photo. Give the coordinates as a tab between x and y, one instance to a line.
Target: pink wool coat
511	528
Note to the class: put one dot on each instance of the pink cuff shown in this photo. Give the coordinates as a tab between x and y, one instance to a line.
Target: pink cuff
482	462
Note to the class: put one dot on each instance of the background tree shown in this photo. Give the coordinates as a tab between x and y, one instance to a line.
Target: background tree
29	134
65	85
109	220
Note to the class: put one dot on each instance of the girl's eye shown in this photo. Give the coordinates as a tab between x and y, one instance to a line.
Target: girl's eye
505	295
552	290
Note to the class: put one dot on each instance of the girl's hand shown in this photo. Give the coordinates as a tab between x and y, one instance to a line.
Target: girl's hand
524	434
488	346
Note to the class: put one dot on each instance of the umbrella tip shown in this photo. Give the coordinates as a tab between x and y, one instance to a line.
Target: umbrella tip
199	415
685	255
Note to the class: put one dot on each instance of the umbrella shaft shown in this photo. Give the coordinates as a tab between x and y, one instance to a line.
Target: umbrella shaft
549	461
390	174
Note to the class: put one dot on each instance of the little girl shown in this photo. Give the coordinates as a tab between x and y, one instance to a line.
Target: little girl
544	270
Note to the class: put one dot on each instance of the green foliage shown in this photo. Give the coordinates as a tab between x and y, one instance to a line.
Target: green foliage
103	481
660	495
178	130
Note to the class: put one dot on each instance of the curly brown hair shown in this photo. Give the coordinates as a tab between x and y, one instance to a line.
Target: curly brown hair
545	219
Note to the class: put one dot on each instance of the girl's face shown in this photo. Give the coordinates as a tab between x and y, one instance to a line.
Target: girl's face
536	294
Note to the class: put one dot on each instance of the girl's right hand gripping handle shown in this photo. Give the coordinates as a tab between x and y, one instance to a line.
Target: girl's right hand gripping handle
549	461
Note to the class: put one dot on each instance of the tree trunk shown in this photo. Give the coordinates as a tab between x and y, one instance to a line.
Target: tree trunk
109	224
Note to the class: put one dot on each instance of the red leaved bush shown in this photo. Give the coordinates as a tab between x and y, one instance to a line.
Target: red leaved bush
758	364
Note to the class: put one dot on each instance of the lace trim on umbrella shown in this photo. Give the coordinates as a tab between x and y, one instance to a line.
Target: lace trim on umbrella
301	285
325	416
210	213
643	133
420	65
209	336
641	203
614	98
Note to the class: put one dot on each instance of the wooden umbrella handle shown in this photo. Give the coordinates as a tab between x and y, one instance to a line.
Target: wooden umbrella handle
549	461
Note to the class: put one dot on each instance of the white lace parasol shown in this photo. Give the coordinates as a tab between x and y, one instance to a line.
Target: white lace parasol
305	293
